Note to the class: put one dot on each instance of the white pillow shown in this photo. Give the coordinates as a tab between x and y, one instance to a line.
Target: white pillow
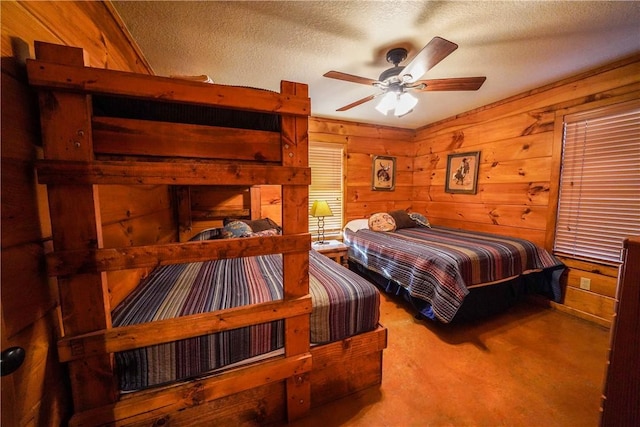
357	224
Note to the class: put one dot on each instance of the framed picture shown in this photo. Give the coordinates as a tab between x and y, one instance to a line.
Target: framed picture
462	173
384	173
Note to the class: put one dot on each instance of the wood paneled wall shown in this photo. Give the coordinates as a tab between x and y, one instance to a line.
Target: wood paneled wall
520	143
37	394
362	142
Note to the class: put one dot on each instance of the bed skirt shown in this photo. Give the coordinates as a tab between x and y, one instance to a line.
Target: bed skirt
482	301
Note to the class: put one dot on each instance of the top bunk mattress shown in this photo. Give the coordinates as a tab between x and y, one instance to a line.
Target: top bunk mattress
344	305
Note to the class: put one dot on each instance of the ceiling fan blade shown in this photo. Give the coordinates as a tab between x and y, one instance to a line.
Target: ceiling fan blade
350	78
358	102
435	51
460	83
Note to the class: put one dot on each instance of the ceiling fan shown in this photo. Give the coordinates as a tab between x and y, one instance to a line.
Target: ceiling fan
398	81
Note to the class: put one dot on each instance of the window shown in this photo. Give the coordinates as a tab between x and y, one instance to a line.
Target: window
325	161
599	198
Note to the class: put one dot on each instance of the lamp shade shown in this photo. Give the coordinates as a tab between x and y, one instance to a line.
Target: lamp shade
401	103
406	102
320	208
387	103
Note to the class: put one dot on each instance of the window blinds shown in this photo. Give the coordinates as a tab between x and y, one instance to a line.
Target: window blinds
599	199
325	161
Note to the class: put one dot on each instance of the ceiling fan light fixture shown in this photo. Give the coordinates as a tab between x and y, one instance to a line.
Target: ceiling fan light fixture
406	102
395	82
387	103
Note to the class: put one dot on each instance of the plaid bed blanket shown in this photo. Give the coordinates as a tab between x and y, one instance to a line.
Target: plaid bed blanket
439	264
344	304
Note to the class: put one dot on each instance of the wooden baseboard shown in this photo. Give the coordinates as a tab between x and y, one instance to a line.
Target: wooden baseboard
570	310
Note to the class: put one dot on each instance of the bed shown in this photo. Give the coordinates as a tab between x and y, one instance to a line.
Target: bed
343	304
103	128
451	274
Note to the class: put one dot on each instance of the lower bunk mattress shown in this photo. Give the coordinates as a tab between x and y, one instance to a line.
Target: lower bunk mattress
436	268
344	304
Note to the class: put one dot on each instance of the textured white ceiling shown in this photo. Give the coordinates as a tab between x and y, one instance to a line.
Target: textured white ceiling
517	45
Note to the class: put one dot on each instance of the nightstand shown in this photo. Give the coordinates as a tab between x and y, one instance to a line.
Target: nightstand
333	249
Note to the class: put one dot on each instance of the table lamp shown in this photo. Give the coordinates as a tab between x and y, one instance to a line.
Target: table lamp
320	209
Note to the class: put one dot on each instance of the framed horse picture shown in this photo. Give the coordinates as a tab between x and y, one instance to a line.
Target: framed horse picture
384	173
462	173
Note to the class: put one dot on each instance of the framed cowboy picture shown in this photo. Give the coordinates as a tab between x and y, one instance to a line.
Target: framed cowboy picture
462	173
384	173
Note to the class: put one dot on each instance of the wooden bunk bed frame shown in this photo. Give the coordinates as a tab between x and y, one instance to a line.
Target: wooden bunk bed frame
284	387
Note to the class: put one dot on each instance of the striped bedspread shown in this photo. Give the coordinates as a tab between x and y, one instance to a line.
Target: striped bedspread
343	305
439	265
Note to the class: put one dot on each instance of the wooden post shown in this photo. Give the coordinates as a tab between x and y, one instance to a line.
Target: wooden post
255	195
182	199
295	202
66	130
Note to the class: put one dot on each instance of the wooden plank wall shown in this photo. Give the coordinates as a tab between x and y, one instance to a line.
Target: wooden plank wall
37	393
362	142
520	144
